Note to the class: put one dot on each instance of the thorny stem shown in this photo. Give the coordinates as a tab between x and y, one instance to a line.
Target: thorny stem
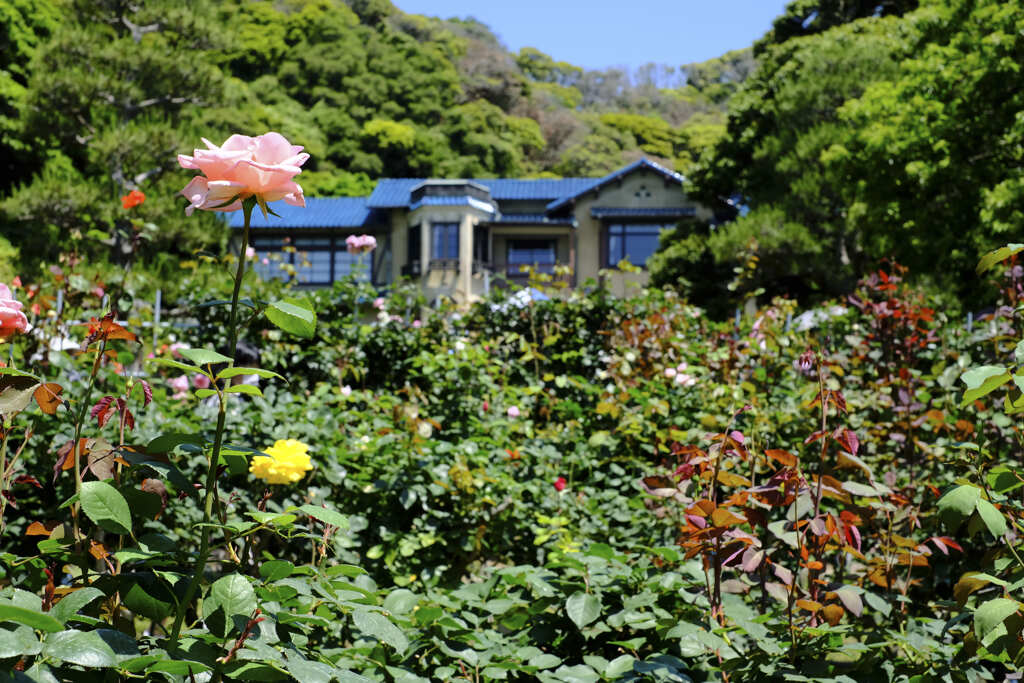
211	473
5	427
76	451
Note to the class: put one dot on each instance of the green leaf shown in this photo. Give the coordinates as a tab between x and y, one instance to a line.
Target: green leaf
273	518
174	364
37	620
861	490
618	666
204	356
983	380
989	617
272	570
228	373
168	442
16	393
294	316
957	504
581	673
72	602
1002	479
106	507
994	258
326	516
544	661
993	518
148	596
377	625
306	671
583	608
401	601
232	593
178	667
90	649
21	642
243	389
138	663
205	393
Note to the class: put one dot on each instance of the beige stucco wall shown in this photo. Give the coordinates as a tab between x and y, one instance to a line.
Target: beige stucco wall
399	229
623	195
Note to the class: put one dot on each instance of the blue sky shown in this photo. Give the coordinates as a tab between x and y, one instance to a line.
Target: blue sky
600	33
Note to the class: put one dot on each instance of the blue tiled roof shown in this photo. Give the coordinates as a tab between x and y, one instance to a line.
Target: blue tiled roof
320	212
611	212
394	192
530	219
536	189
622	172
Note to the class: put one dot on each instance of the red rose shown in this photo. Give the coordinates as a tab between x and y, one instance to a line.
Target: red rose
132	199
560	484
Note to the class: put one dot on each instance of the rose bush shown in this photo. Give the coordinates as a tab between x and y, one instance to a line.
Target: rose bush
776	514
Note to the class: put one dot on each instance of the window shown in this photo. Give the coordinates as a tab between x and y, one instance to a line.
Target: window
315	260
538	254
444	239
481	246
634	242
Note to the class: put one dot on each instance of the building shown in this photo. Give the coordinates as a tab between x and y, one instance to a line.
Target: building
460	237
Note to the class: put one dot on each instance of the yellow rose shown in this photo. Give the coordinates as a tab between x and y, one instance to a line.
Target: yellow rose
286	462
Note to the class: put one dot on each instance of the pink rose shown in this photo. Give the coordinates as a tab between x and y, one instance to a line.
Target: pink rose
360	244
417	323
200	381
179	385
16	282
250	253
242	167
378	303
11	318
513	412
346	391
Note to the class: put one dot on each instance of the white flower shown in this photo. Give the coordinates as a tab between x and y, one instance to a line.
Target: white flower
346	391
670	372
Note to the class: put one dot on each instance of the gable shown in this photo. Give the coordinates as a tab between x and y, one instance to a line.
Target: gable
599	185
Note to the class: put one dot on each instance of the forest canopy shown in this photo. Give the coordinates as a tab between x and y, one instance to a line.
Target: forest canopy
851	132
869	131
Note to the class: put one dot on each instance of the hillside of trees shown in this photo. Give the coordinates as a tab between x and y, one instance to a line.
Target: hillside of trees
850	133
100	95
869	131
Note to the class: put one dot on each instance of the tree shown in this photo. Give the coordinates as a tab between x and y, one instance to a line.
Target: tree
772	157
932	170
